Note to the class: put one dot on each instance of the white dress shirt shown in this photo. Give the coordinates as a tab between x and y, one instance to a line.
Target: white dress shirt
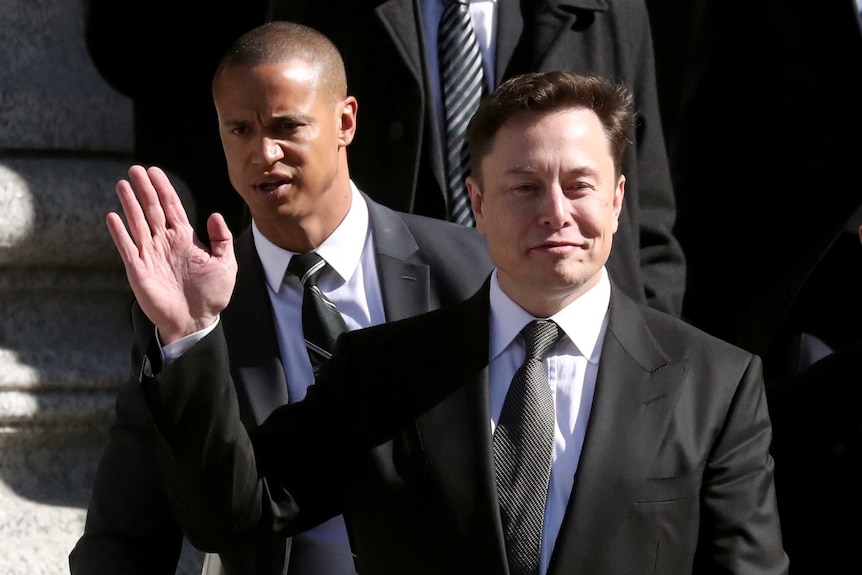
572	365
350	282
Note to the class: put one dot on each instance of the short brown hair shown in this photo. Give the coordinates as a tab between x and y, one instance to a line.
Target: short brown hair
542	92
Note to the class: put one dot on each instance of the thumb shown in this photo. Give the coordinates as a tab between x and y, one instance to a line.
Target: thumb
221	240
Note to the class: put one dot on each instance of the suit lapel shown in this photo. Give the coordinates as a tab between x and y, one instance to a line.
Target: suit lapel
635	392
510	26
250	332
399	18
404	285
456	438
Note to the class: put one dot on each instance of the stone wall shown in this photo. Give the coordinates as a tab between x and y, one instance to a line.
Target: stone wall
65	139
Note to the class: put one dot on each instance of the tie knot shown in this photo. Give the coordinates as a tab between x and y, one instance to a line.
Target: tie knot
539	336
306	266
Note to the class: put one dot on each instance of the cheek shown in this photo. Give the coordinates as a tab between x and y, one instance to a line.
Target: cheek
494	222
595	219
505	233
238	155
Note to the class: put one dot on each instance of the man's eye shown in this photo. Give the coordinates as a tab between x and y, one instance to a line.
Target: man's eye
578	188
287	126
525	188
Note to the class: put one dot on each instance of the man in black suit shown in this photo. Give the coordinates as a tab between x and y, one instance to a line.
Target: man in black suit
657	442
772	243
386	51
285	122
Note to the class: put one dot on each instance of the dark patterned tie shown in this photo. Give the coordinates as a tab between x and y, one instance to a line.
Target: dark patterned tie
321	322
523	444
461	83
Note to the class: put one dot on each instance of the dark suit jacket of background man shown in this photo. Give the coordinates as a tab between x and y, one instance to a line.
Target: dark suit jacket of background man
383	48
420	268
404	447
766	159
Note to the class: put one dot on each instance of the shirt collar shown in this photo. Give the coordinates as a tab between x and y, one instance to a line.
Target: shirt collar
341	250
582	320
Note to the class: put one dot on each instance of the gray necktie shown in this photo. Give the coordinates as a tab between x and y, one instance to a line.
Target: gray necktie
461	83
321	322
523	444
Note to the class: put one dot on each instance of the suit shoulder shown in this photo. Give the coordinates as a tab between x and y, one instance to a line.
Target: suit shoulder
676	333
437	229
448	242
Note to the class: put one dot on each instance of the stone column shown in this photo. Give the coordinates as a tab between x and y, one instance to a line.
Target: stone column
65	139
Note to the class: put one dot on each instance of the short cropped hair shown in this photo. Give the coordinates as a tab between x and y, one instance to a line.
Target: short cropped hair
281	41
543	92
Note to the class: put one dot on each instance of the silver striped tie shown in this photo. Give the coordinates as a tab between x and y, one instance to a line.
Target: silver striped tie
321	321
461	82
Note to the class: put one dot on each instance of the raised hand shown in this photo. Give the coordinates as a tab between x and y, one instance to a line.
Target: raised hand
179	283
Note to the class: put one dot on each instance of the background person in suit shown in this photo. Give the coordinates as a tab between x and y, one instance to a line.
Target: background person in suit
389	50
660	432
771	244
285	122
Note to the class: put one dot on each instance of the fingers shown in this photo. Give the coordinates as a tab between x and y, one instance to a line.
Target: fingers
159	202
127	249
173	211
147	197
139	227
151	206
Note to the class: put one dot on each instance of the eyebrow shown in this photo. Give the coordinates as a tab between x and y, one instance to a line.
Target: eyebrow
289	117
529	170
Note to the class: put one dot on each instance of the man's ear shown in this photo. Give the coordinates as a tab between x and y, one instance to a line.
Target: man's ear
475	192
347	110
619	195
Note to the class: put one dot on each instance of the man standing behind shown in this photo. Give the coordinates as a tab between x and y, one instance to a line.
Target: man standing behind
395	56
285	123
647	440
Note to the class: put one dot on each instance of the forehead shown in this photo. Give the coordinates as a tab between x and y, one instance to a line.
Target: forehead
264	83
551	137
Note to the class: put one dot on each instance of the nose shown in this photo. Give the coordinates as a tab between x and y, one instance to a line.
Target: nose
270	150
555	208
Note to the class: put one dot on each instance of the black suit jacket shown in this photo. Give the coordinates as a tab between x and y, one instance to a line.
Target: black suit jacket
766	97
422	263
766	160
384	54
675	474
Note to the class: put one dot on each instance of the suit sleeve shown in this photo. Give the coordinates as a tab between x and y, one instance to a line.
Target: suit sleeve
227	485
740	529
130	527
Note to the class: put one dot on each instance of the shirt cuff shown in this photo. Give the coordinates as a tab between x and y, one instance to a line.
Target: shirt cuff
176	349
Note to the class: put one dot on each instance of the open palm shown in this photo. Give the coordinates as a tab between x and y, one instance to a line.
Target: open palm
181	284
